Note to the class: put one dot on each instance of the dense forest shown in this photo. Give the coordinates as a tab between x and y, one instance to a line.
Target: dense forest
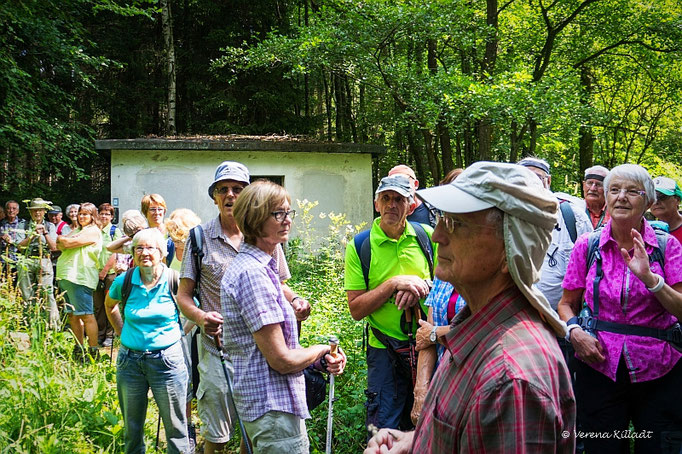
440	83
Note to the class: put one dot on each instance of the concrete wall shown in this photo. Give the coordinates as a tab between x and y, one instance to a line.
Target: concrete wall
341	182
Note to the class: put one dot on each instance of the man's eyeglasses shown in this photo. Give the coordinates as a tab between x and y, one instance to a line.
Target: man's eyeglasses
590	183
629	193
281	215
225	189
451	224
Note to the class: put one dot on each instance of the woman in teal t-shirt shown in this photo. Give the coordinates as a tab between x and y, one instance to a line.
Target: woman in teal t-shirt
78	276
151	353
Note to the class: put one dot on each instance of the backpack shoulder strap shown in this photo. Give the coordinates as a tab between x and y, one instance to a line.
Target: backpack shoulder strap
364	251
569	219
592	248
112	231
658	254
173	283
126	288
424	244
196	239
171	251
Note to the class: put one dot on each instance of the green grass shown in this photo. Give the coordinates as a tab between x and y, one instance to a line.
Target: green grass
51	404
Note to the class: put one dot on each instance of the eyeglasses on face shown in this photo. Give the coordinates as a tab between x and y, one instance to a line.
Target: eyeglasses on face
157	210
281	215
225	189
629	193
141	249
596	183
452	224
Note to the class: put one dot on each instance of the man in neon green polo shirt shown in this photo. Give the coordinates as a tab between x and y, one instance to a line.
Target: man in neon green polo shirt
397	281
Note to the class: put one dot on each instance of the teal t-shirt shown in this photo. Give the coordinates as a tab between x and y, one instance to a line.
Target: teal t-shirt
151	317
389	258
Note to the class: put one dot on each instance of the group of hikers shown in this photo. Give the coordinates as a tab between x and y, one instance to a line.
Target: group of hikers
500	316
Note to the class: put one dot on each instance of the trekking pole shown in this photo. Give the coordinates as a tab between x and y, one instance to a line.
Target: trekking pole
158	431
219	344
333	345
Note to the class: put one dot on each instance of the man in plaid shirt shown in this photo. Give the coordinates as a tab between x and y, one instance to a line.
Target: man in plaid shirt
502	384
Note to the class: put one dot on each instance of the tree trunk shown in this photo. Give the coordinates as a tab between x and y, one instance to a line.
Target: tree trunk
349	110
431	155
485	132
361	116
445	147
169	48
306	77
328	105
586	137
415	150
468	144
533	129
458	145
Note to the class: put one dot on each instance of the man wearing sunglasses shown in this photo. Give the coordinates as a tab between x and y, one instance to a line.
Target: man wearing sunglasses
395	286
221	241
667	205
502	384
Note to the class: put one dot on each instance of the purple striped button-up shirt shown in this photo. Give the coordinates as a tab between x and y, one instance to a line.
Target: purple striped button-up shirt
251	296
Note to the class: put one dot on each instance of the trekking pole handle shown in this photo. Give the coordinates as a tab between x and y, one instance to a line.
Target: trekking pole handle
218	342
333	345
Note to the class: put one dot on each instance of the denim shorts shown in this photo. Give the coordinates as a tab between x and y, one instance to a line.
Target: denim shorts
78	297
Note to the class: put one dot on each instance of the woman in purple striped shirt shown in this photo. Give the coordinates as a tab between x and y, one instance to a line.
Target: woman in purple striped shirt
260	332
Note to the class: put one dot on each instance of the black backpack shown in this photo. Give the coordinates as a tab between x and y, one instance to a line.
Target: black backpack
592	323
127	287
364	249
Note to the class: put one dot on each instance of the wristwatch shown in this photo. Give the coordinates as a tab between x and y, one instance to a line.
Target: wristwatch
570	328
432	337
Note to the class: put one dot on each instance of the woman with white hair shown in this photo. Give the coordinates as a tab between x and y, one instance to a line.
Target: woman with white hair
141	308
630	278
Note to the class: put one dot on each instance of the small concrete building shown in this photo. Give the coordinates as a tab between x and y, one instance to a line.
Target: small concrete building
337	175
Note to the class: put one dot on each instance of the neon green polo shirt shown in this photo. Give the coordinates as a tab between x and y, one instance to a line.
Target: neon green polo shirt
79	264
389	258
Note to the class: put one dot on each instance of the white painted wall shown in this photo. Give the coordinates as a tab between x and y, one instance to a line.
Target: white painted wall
341	182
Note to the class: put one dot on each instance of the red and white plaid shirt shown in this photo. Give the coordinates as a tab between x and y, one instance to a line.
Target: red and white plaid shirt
502	386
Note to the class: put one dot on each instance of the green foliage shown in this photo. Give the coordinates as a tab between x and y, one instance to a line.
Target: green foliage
48	402
317	275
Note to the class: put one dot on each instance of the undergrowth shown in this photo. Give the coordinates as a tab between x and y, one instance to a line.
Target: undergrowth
51	404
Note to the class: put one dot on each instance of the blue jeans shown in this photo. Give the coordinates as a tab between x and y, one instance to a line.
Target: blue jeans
165	373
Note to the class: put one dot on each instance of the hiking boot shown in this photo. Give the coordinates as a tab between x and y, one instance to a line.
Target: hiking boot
192	435
107	342
78	354
94	354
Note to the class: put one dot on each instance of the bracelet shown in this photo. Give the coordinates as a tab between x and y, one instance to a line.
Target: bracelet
657	288
296	298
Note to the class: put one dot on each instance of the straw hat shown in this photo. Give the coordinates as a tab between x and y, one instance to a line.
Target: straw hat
38	204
